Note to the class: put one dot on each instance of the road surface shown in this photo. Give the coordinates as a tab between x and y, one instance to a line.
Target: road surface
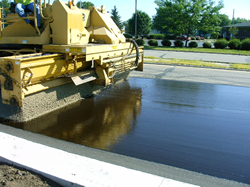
198	56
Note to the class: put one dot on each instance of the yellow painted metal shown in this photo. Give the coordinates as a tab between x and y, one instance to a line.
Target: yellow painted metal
20	72
68	25
72	41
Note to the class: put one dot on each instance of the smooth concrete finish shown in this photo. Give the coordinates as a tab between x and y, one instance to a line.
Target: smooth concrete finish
73	161
226	58
70	169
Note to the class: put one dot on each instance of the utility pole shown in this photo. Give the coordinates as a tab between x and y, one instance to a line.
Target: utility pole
233	18
135	19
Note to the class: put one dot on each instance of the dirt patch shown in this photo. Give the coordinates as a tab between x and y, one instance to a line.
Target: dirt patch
11	176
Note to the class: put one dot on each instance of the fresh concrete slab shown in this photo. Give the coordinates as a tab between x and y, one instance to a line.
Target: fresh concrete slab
71	164
70	169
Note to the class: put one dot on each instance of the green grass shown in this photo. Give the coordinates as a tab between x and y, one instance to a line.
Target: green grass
200	50
196	63
240	66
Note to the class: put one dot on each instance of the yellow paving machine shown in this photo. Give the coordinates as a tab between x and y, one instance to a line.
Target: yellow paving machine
79	45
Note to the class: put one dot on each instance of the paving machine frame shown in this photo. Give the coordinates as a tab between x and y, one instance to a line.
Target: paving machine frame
79	45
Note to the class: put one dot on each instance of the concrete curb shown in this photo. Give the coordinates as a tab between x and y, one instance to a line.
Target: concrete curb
69	169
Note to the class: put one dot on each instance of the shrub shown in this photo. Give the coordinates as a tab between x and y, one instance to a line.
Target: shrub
214	36
234	44
178	43
166	42
170	37
153	42
193	38
140	41
245	45
198	38
156	36
207	45
193	44
221	44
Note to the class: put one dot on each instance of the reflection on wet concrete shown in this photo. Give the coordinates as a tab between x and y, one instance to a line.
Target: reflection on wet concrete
97	122
195	126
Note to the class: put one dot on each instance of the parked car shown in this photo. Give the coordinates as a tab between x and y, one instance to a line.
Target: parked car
183	37
201	38
144	36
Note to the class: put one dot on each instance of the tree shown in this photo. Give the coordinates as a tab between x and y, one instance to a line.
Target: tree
116	18
4	4
240	20
233	31
224	20
144	23
84	4
187	16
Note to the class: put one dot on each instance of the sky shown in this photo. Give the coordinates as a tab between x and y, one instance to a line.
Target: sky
127	8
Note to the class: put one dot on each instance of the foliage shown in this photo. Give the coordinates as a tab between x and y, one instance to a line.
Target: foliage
214	35
140	42
245	45
224	20
233	31
193	38
126	25
170	37
5	4
144	24
240	20
84	4
207	45
198	38
116	18
178	43
193	44
166	42
153	42
221	44
201	50
234	44
187	16
156	36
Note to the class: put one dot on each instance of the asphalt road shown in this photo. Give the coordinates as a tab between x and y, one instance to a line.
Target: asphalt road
198	56
194	74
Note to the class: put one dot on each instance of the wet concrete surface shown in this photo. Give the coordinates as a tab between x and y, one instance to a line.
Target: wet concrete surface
195	126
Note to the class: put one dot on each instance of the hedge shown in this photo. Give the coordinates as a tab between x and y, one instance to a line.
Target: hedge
207	45
153	42
156	36
245	45
178	43
192	44
166	42
140	42
221	44
234	44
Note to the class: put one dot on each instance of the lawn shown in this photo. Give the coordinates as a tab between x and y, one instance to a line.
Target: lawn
196	63
200	50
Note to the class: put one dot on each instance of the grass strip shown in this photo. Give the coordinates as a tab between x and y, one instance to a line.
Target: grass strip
200	50
196	63
240	66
